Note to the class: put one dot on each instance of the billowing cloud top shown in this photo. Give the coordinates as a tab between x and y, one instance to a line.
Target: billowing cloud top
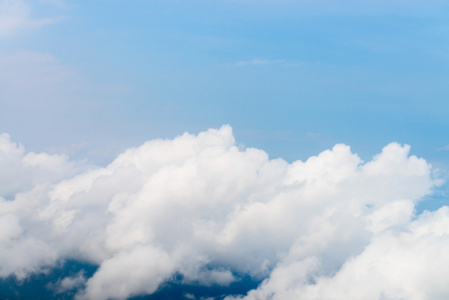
331	227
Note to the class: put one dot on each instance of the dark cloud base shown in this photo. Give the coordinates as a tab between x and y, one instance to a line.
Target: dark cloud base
38	286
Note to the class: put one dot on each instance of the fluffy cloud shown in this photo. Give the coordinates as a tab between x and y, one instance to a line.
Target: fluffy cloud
331	227
409	264
21	171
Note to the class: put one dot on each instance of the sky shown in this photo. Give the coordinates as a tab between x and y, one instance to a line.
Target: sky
301	144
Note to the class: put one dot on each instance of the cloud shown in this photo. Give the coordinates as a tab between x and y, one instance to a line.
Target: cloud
407	264
15	16
199	208
21	171
313	134
136	272
259	62
68	283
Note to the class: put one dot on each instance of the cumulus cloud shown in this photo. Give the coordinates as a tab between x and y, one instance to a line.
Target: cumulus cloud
21	171
198	207
408	264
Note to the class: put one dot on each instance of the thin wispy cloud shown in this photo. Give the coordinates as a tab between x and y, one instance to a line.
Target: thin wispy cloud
15	17
264	63
313	134
260	62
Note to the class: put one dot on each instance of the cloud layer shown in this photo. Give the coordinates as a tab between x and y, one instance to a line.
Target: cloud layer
197	206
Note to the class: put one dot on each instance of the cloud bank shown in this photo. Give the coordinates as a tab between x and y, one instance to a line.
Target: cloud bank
200	208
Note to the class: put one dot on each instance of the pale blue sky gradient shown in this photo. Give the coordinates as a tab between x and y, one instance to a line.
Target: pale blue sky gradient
291	77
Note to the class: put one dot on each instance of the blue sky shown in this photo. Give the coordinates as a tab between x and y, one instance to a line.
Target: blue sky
83	81
291	77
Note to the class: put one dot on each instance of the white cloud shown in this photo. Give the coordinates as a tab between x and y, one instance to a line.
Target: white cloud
68	283
139	271
201	207
21	171
409	264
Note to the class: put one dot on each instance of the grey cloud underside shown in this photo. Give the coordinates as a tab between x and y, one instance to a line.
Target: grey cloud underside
331	227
